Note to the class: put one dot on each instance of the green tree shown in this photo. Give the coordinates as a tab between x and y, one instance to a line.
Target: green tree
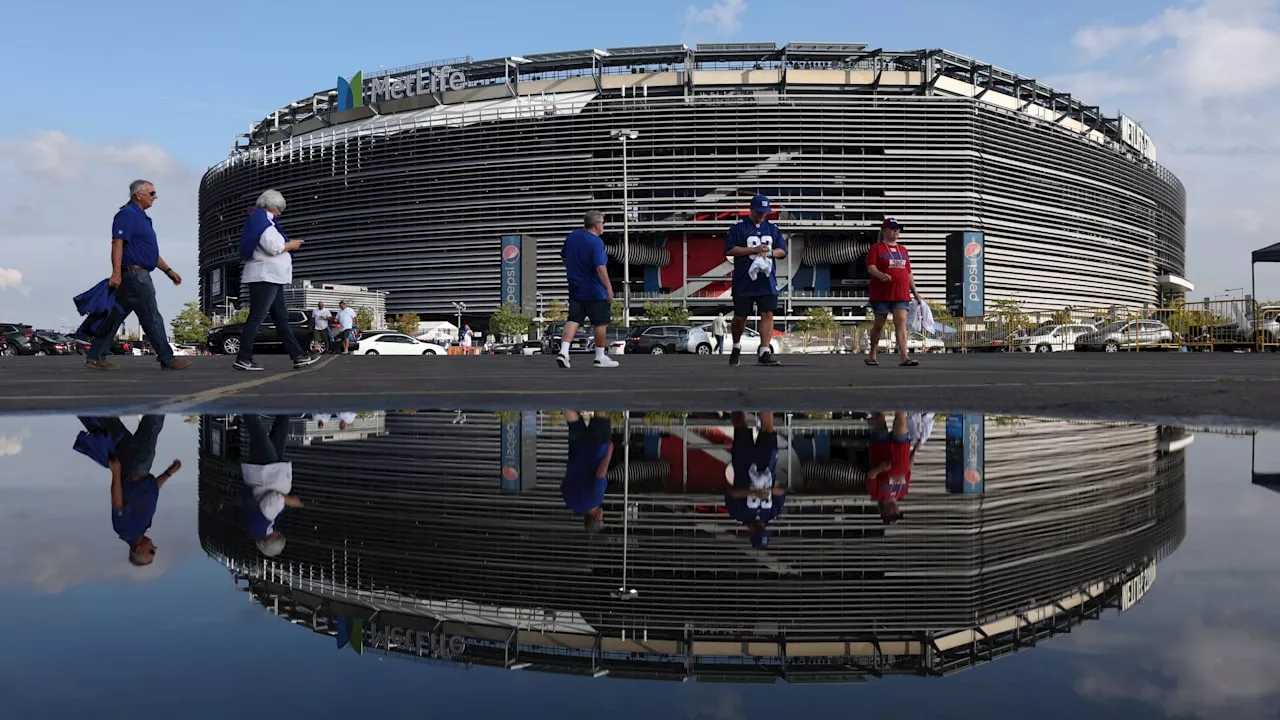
191	326
407	324
616	310
665	312
1009	316
364	319
942	315
820	322
508	321
556	311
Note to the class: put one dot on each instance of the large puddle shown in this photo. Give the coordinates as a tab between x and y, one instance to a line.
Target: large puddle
636	565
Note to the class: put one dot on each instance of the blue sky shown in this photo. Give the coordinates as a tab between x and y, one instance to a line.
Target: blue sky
111	92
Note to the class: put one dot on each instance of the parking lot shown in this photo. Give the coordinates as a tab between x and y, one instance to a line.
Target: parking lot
1157	387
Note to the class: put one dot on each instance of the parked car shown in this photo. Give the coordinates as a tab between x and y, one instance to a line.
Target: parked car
916	343
225	339
20	338
51	343
584	341
395	343
1127	334
750	341
663	339
1054	338
4	347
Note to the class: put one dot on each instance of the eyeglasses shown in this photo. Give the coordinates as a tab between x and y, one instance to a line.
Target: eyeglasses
152	193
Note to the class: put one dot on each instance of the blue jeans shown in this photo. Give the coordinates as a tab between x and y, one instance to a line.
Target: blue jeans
266	447
136	295
137	452
267	298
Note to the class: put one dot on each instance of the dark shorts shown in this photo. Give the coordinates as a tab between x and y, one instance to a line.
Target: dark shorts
742	306
599	431
600	311
747	444
887	307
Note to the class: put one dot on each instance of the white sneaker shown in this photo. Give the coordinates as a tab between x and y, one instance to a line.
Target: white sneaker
605	361
563	361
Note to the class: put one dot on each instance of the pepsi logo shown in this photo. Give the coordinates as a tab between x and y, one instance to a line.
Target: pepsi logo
510	473
973	249
972	477
510	253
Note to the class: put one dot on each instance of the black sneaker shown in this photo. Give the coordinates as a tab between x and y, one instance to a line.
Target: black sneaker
248	366
304	361
767	358
735	357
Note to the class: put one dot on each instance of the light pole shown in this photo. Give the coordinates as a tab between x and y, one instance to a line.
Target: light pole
624	136
226	305
459	306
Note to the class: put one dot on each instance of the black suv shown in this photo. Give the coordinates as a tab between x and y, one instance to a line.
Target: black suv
225	340
584	341
21	340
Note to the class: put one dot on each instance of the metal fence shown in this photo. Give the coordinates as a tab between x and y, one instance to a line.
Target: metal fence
1226	325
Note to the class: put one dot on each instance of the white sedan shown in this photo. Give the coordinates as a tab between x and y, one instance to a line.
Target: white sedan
394	343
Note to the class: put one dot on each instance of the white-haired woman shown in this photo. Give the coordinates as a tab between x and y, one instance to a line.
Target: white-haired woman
268	267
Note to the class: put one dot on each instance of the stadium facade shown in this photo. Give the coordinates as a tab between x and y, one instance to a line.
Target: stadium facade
413	542
405	180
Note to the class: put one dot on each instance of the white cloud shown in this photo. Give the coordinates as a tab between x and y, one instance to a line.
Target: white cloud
57	196
722	17
1200	78
10	279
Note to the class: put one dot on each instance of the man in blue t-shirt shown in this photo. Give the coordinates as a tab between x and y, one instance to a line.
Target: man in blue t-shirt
755	244
135	252
755	498
590	292
134	490
586	471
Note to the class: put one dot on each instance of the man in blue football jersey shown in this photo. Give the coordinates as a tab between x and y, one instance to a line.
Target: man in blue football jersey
755	244
756	498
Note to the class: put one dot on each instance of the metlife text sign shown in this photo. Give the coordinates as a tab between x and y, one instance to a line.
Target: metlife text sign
421	82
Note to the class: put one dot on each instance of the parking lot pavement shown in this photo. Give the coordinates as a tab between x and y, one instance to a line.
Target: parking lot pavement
1157	387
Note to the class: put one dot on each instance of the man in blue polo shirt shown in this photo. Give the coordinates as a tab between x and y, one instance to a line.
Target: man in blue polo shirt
755	244
135	252
586	267
134	490
586	472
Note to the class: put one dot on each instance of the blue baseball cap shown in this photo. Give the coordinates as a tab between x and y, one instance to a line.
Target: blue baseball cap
760	203
891	224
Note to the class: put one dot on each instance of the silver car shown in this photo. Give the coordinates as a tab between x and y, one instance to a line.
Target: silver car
1127	335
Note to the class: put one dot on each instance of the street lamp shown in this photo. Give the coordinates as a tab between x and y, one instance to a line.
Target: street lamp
459	306
226	305
624	136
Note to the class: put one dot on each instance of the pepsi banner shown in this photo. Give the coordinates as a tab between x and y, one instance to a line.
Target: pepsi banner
966	454
966	270
520	278
519	451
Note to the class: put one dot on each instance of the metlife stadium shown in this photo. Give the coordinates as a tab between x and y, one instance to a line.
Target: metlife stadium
408	180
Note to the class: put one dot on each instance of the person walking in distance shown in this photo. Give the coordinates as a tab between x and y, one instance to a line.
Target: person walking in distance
268	268
320	328
590	293
892	287
346	325
755	244
135	252
719	328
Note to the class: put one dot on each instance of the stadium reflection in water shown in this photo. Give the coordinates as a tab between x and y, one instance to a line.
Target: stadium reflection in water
836	547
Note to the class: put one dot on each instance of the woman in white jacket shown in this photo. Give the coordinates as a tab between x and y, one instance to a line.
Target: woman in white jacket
268	268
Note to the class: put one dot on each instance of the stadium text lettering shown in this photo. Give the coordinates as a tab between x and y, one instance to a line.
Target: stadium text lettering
422	82
417	642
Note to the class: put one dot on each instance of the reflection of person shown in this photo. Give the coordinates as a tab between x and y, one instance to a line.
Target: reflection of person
755	498
586	472
892	287
134	490
268	482
891	453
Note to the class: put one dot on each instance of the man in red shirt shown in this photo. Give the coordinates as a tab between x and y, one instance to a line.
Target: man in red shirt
892	287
